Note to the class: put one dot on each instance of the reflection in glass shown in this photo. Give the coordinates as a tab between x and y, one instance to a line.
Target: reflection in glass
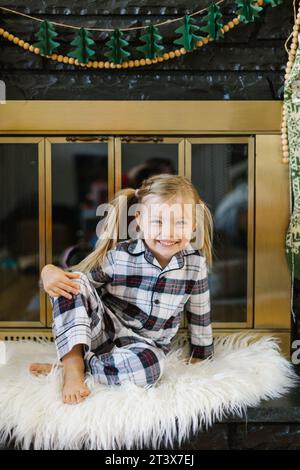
19	233
220	173
79	185
139	161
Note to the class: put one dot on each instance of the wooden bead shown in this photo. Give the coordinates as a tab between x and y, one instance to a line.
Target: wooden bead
60	58
236	21
285	160
71	60
137	63
5	34
16	40
178	53
31	48
89	64
25	45
172	54
119	66
260	3
293	46
148	61
66	60
285	148
199	44
1	31
285	154
226	28
231	24
10	37
143	62
166	56
298	21
101	64
106	65
112	65
54	56
125	64
36	50
205	40
131	64
154	61
161	59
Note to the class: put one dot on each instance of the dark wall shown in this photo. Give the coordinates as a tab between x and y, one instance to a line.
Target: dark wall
247	64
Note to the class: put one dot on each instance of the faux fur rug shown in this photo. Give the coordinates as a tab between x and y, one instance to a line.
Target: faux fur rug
245	370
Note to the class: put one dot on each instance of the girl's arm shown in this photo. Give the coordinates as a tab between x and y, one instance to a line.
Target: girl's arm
55	281
199	317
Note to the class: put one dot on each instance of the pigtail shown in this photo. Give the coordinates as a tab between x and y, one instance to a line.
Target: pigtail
208	237
117	213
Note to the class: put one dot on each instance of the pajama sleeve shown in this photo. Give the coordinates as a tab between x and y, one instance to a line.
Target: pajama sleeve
101	275
199	316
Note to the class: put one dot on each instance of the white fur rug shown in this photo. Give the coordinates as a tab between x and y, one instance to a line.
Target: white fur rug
245	370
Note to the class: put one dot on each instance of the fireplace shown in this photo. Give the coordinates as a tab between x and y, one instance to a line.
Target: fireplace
60	160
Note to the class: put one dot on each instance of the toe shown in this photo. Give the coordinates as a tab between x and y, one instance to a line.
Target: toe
84	392
78	398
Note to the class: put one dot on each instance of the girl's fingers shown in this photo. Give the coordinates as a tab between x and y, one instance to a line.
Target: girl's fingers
72	275
59	291
70	288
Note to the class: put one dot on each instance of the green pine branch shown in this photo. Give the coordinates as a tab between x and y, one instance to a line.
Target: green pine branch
116	43
82	42
46	39
151	48
214	24
188	30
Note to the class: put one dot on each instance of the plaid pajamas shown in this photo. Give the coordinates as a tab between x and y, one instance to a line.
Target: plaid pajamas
129	309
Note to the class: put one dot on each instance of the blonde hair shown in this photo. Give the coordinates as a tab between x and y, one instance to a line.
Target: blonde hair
162	185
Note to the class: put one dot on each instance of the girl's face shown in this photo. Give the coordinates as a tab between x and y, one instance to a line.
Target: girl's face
167	225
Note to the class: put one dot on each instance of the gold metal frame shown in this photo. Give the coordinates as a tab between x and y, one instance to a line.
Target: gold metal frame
140	117
250	252
48	196
41	215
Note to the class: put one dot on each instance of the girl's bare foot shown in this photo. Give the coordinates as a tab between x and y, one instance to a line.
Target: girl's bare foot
39	368
74	389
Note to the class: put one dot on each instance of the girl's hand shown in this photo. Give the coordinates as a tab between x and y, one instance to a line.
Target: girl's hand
58	282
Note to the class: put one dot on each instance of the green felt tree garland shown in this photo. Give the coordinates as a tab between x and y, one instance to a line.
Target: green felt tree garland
83	43
46	38
152	39
213	20
189	33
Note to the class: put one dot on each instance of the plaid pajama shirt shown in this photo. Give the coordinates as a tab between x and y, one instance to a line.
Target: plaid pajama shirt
129	309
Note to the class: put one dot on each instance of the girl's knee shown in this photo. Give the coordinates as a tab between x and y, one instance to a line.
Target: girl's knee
153	364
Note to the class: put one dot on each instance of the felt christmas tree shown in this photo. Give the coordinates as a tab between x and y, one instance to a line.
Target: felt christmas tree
248	10
188	30
116	43
274	3
151	48
82	42
46	39
213	20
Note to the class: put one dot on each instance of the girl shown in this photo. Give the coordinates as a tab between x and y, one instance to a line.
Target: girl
115	313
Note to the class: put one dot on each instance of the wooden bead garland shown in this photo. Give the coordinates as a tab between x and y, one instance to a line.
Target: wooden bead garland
291	58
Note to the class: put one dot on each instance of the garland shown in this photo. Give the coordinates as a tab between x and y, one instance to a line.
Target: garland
189	31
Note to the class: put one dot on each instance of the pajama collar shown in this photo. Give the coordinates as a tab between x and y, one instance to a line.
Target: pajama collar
138	246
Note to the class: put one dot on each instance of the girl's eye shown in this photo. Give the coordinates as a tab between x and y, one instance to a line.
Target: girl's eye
155	221
182	222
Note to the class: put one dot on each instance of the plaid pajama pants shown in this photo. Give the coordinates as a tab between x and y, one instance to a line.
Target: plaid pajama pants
113	353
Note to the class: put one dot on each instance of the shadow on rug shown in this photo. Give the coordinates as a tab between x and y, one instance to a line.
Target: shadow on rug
245	369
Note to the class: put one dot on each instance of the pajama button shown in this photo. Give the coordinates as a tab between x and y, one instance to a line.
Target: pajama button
156	301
